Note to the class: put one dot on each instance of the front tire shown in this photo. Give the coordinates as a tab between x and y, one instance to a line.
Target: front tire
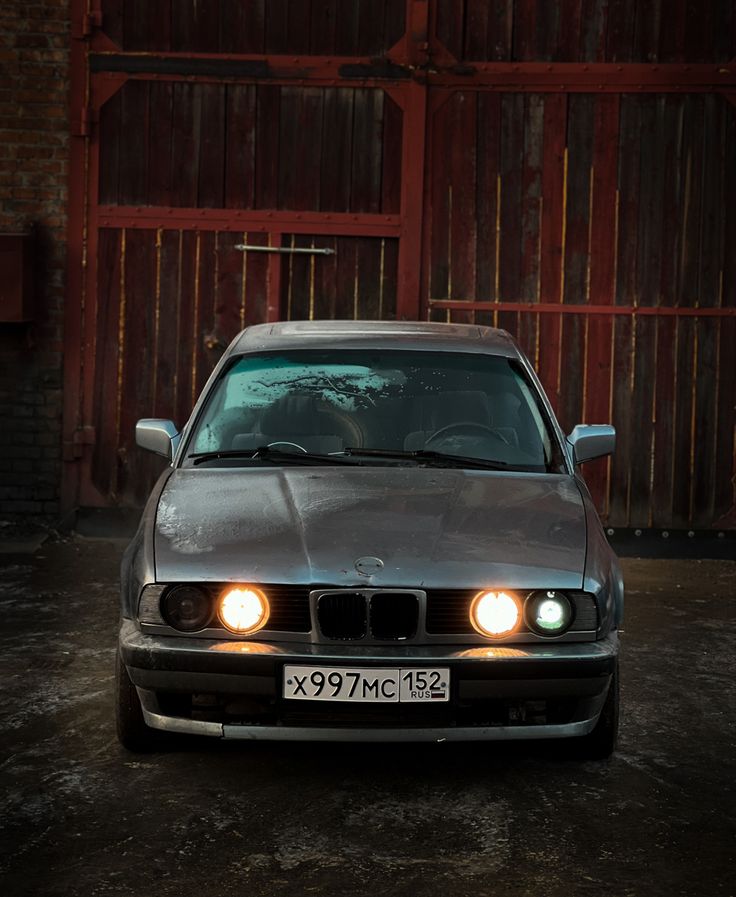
601	742
133	733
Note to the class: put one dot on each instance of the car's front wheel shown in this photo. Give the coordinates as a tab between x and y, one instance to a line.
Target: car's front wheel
601	742
133	733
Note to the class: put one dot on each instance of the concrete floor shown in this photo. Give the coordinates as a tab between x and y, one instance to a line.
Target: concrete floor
80	816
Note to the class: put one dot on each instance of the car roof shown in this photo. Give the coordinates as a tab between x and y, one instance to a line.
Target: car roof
414	335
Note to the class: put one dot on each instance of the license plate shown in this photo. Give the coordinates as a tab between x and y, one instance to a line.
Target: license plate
367	685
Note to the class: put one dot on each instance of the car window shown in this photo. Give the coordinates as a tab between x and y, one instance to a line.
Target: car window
475	405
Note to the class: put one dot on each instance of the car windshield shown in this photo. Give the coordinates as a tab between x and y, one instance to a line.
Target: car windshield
394	403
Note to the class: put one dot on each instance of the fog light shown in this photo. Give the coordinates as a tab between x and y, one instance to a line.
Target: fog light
495	613
186	608
548	612
243	609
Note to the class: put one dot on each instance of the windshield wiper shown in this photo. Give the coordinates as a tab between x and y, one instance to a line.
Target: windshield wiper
434	459
264	453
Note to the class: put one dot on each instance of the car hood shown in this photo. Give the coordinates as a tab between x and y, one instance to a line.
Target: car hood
430	527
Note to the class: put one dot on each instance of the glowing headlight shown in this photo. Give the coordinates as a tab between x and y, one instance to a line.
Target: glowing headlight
495	613
186	608
548	612
243	609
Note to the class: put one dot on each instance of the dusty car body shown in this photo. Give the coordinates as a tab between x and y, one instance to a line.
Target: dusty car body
347	546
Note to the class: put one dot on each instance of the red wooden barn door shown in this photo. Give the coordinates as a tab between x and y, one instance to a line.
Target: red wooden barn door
579	204
240	163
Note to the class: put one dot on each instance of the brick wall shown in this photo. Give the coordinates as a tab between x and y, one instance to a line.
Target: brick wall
34	142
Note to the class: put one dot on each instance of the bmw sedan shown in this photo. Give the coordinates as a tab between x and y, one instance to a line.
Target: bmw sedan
371	531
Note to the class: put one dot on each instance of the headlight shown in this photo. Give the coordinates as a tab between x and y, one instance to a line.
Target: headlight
186	608
548	612
495	613
243	609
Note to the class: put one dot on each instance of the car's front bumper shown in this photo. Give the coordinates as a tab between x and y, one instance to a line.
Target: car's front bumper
486	681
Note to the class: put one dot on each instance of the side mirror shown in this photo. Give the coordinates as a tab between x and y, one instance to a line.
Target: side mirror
159	436
590	441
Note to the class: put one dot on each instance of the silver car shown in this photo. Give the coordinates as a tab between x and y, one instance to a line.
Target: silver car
374	532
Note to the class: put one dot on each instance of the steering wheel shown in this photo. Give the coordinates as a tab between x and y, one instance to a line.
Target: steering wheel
467	425
292	444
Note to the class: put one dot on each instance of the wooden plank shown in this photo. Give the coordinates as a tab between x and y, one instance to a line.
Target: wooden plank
368	306
195	26
136	370
346	29
296	279
322	27
211	177
267	147
487	172
185	135
134	122
300	145
663	486
392	142
598	367
647	25
569	31
525	30
164	404
187	290
228	288
438	207
620	30
337	150
691	155
672	33
461	165
390	278
712	222
242	26
366	164
113	13
160	143
146	25
450	17
325	280
240	146
346	294
204	314
370	27
110	142
277	26
699	32
394	22
593	26
477	25
531	208
552	226
510	219
648	274
624	416
107	346
256	268
725	499
545	40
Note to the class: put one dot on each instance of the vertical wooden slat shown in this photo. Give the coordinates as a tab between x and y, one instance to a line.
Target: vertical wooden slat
531	205
134	121
553	188
725	500
477	15
647	24
146	25
337	151
462	176
211	175
487	167
686	360
110	149
568	32
267	147
450	15
709	289
169	313
185	135
593	27
510	243
391	162
322	27
240	160
300	143
159	190
623	336
599	369
620	30
525	30
196	26
666	374
366	165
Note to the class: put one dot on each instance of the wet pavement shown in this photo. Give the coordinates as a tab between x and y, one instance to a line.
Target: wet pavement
81	816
